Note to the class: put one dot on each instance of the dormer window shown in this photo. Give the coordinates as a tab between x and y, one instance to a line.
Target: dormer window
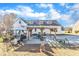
41	22
49	22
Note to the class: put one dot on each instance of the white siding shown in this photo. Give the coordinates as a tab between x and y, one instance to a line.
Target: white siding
19	26
59	31
23	25
47	31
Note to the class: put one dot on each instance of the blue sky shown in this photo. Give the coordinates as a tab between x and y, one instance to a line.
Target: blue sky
65	13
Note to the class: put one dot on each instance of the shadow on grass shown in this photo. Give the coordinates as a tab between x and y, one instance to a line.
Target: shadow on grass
35	48
48	51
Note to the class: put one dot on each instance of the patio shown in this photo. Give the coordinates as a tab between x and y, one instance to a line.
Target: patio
32	41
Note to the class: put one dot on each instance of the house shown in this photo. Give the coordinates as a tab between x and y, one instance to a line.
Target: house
45	26
76	27
19	26
36	26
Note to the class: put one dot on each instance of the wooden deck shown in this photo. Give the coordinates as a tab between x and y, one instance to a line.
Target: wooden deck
35	48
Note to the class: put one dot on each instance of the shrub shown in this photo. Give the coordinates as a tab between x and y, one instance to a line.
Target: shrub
1	39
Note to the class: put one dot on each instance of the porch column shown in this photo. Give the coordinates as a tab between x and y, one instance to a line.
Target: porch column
42	31
29	32
42	35
51	30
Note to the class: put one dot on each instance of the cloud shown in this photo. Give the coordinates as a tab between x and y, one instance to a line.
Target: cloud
74	11
75	7
71	25
36	14
2	12
19	10
29	12
68	20
62	4
65	5
12	11
54	14
43	6
66	17
46	5
25	9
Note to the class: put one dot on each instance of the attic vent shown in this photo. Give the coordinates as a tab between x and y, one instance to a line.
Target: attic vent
19	22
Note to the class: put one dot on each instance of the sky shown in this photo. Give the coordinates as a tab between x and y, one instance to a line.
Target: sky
65	13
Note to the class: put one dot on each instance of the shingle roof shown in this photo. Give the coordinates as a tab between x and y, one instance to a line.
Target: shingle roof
41	22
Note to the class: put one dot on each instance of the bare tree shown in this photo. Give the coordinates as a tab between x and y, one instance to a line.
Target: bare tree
8	20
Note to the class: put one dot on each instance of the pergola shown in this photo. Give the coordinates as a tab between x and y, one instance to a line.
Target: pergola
29	29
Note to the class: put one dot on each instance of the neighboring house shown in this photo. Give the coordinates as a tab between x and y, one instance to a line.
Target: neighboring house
76	27
36	26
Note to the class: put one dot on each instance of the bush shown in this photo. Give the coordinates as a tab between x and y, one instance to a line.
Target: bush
1	39
6	38
76	31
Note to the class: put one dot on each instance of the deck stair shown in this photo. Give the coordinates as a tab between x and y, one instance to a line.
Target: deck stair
58	43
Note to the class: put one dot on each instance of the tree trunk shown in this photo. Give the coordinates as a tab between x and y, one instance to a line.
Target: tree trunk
50	33
55	34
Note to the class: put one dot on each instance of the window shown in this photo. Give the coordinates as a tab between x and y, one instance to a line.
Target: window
41	22
48	22
54	29
19	22
31	22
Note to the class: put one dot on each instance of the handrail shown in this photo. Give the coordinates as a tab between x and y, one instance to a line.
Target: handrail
56	43
64	43
68	41
53	43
